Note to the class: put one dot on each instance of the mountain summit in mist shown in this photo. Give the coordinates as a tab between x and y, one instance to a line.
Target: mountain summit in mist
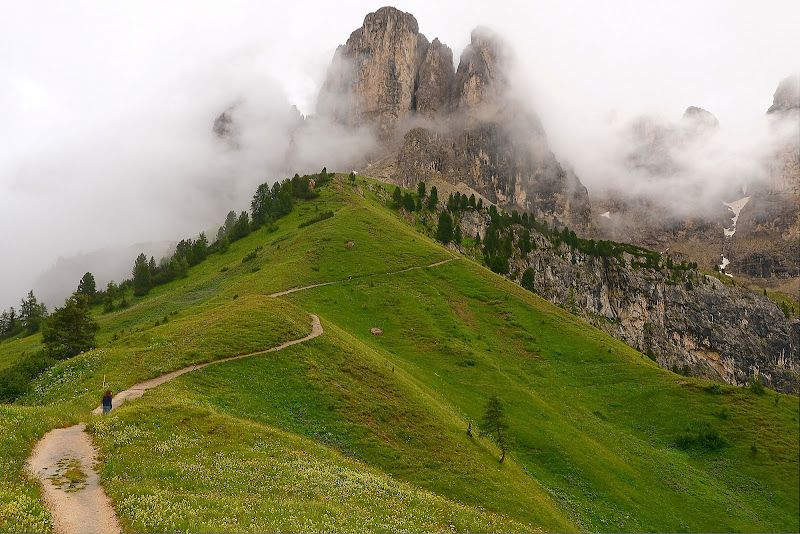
718	204
402	112
435	122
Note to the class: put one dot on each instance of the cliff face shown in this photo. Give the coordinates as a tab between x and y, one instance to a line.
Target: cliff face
787	95
461	125
480	78
688	321
435	80
373	77
718	331
752	228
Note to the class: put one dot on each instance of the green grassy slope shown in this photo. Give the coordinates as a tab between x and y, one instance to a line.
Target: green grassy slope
293	440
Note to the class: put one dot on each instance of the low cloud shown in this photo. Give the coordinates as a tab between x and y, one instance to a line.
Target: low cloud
161	174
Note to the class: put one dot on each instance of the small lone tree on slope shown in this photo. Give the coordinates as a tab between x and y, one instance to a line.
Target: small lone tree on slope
494	425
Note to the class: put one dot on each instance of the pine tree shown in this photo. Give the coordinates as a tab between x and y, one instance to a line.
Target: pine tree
111	294
444	230
31	313
494	425
528	279
397	196
408	202
70	329
433	198
200	248
87	286
421	189
142	277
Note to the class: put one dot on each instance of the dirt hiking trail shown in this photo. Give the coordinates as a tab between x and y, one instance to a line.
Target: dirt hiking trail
312	286
64	459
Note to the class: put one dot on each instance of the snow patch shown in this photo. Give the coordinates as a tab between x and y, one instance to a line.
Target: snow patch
736	208
607	215
724	263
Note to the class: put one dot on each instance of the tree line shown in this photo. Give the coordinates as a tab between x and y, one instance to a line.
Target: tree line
510	235
269	203
71	328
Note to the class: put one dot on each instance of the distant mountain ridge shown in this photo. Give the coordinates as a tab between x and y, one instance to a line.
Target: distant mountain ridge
751	228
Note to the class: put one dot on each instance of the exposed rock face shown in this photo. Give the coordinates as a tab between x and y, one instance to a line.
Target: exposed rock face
719	331
515	173
480	79
374	75
225	128
685	319
698	122
435	80
461	126
787	95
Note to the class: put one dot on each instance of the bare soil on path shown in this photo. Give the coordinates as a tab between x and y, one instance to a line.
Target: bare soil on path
64	459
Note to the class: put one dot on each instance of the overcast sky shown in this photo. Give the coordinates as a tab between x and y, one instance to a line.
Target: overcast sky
107	106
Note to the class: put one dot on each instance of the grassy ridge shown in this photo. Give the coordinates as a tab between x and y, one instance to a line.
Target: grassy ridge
603	439
339	392
593	420
172	465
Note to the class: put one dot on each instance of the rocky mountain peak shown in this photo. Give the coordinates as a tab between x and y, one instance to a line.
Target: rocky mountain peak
388	75
435	80
787	95
697	123
480	77
699	116
373	77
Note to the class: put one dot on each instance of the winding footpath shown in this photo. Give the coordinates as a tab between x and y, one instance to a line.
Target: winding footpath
312	286
64	459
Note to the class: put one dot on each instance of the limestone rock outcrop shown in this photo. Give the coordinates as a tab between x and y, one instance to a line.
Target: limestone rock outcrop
462	126
711	329
373	77
435	80
480	78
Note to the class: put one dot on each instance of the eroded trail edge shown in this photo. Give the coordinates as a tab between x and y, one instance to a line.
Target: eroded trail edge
64	459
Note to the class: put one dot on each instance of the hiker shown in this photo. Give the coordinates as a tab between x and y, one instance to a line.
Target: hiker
107	402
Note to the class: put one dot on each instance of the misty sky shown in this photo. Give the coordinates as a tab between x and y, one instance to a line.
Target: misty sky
107	106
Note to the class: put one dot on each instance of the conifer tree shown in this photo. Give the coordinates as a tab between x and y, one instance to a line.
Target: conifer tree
433	198
142	277
70	329
444	230
494	425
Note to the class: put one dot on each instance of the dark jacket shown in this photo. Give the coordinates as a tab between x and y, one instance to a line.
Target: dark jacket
106	400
